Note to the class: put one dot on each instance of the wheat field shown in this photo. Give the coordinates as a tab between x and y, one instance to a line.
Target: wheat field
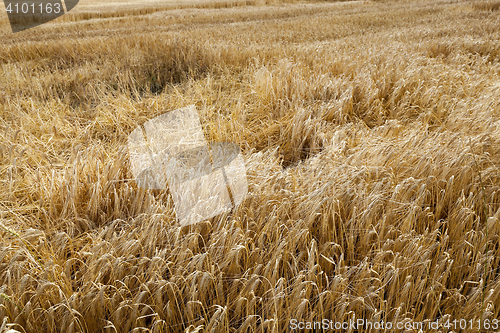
371	136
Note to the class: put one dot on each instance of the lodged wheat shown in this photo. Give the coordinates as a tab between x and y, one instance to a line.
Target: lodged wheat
371	135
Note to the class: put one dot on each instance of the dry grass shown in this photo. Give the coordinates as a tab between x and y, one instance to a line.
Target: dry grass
371	135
